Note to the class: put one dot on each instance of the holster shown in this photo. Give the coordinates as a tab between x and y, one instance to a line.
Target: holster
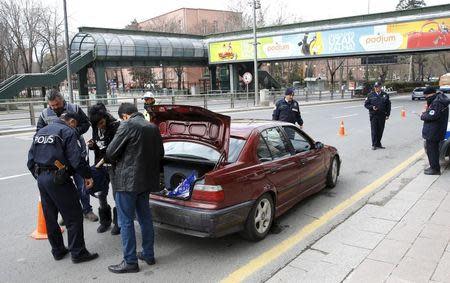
61	176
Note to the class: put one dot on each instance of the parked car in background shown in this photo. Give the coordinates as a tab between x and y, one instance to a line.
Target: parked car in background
417	93
363	90
247	172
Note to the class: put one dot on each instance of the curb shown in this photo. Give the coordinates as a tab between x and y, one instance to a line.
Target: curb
17	131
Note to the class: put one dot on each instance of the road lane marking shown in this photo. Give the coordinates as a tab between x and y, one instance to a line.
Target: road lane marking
396	107
345	116
14	176
354	106
275	252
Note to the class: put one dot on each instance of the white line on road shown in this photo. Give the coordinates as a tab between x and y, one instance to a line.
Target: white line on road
14	176
354	106
396	107
345	116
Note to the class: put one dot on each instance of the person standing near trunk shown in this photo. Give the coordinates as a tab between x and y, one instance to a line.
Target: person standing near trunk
104	127
136	152
379	106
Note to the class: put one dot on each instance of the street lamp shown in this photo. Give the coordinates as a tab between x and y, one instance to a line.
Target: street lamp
69	81
256	5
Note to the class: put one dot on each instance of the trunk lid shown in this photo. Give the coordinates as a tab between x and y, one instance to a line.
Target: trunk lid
193	124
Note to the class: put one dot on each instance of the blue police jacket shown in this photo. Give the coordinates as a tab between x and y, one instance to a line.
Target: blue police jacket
287	112
380	101
57	141
435	119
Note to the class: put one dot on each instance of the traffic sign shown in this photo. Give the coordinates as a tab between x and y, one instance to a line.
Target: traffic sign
247	77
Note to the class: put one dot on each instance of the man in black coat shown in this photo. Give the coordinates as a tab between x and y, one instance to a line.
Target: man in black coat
288	109
379	106
435	119
136	152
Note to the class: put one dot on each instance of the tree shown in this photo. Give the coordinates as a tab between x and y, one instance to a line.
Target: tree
410	4
142	76
333	66
407	5
445	61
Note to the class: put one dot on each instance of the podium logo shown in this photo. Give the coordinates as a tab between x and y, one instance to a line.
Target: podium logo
278	49
387	41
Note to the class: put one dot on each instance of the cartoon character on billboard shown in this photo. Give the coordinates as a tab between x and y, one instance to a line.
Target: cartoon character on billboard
227	52
306	46
432	34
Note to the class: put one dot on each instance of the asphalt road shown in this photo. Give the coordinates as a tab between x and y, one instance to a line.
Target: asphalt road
183	258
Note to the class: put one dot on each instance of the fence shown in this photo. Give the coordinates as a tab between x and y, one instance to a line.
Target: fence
27	112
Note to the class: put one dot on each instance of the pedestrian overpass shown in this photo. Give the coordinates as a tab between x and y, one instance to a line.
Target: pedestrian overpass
417	30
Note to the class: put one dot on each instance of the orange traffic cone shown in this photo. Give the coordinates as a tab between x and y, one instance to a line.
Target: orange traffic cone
403	113
342	129
41	230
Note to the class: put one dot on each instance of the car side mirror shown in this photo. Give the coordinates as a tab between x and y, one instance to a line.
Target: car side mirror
318	145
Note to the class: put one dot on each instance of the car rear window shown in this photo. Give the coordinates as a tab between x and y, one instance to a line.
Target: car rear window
202	152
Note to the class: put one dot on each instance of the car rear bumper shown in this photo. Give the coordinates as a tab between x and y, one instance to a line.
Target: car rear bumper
418	95
200	222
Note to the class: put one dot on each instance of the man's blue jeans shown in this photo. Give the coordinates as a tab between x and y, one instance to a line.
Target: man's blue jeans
82	194
128	205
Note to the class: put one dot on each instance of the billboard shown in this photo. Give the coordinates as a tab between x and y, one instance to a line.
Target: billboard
424	34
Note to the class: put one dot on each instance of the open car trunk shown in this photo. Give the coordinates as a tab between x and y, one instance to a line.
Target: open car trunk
190	125
176	170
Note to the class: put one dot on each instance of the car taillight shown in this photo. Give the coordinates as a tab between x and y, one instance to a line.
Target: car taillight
207	192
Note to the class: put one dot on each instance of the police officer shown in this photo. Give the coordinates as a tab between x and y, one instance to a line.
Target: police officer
54	156
287	109
149	101
379	106
56	106
435	119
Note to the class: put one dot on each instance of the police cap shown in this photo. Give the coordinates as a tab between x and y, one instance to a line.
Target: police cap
377	84
289	91
429	90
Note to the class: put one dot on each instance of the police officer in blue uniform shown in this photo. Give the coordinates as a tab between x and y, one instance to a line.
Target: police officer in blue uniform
379	106
287	109
57	106
435	119
54	156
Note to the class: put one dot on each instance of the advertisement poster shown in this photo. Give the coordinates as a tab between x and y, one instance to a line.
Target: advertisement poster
425	34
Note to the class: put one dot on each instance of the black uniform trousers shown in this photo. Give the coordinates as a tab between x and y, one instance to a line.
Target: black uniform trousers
432	149
377	123
62	198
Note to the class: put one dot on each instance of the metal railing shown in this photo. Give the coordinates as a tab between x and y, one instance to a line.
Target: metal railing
27	112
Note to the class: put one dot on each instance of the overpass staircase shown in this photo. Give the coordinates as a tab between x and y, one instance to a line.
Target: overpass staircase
12	86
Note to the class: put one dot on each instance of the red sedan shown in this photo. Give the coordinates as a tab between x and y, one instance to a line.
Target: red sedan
246	173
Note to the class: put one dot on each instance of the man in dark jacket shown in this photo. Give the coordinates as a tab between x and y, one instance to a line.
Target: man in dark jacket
55	154
435	119
287	109
379	106
137	151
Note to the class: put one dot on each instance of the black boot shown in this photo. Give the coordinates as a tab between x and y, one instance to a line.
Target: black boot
116	229
105	218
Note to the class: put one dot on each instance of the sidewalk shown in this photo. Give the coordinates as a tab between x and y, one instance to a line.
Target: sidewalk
401	235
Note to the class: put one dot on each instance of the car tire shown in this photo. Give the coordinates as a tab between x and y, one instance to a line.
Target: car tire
412	98
333	173
256	230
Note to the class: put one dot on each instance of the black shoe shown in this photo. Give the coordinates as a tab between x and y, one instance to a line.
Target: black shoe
374	147
115	230
124	267
87	256
275	229
381	147
148	261
61	254
431	171
102	228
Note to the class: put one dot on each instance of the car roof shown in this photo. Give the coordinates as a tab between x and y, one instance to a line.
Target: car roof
243	127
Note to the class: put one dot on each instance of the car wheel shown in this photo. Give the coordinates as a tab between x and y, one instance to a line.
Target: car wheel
260	219
412	98
333	173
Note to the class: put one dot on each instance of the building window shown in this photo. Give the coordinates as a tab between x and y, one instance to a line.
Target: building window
215	27
180	24
204	26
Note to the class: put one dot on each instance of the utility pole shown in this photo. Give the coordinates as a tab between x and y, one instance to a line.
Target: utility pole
69	81
256	5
